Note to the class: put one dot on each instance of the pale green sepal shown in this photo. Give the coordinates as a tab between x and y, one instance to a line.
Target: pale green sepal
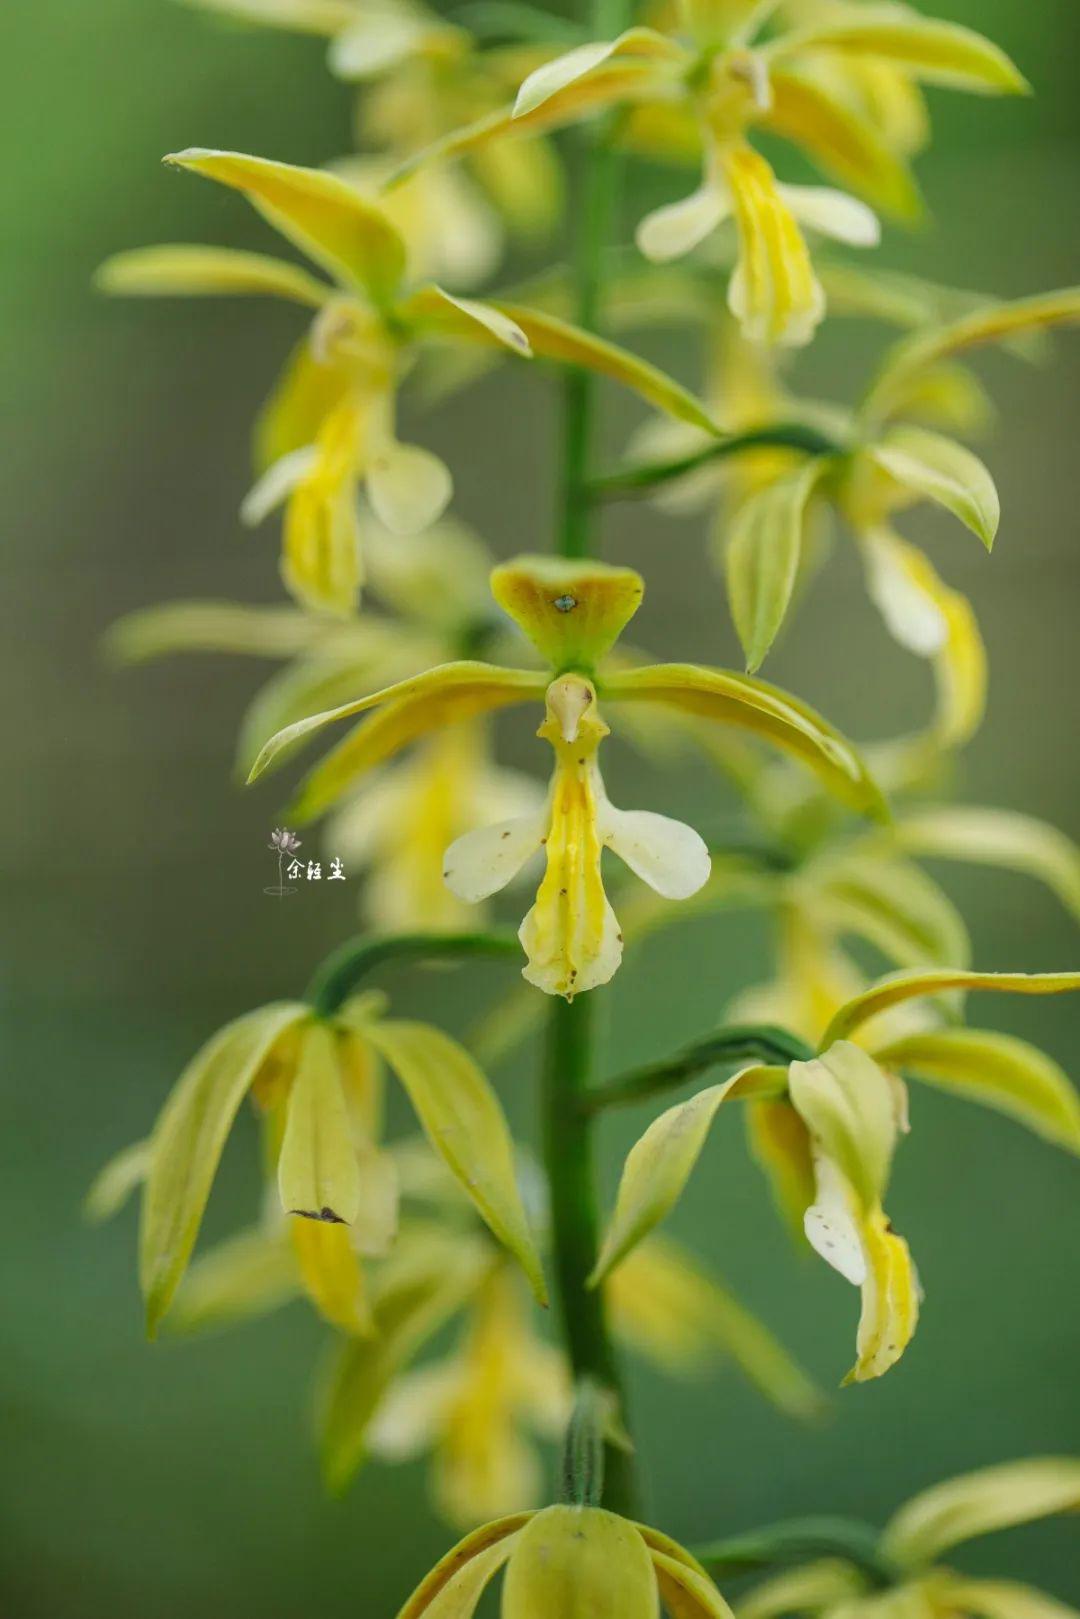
762	559
659	1166
994	837
979	1503
318	1170
465	1124
115	1181
943	471
998	1070
847	1102
207	272
248	1275
895	988
187	1143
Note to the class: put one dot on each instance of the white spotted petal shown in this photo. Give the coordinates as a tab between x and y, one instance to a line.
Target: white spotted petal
482	862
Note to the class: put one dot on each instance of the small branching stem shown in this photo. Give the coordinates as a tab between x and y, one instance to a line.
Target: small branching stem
802	1540
342	972
639	480
737	1044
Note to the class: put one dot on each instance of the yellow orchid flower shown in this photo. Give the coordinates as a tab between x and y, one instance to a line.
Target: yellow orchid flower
701	90
826	1129
472	1409
313	1078
330	426
569	1560
886	460
573	613
423	76
910	1545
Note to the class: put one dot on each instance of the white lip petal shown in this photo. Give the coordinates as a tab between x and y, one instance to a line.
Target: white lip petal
409	488
833	213
669	232
480	863
830	1223
666	854
912	616
276	484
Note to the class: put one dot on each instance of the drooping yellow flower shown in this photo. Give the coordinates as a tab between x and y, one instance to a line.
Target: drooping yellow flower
569	1562
886	460
315	1081
826	1130
573	613
422	76
701	91
476	1410
912	1542
329	428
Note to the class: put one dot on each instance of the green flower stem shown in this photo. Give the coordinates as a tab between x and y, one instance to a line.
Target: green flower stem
341	973
575	1223
734	1045
567	1130
639	480
803	1540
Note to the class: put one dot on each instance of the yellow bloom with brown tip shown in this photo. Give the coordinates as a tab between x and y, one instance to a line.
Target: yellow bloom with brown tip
569	1562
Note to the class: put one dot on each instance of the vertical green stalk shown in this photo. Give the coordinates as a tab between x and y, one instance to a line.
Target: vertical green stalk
568	1128
575	1221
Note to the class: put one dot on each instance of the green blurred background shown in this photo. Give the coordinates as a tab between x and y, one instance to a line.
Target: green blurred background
180	1479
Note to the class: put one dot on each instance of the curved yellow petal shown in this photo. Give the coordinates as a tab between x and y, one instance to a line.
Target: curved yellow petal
998	1070
318	1173
938	52
904	986
187	1143
842	142
203	272
659	1166
465	1124
574	65
330	1270
980	1503
325	217
753	705
993	837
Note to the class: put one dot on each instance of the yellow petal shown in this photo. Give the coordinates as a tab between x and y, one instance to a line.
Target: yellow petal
579	1563
331	1273
996	1599
938	52
659	1166
762	559
439	312
465	1124
846	145
994	323
814	1588
418	704
304	396
318	1175
980	1503
572	612
188	1140
459	1596
583	60
678	1315
115	1181
943	471
247	1275
686	1593
847	1103
892	905
904	986
995	837
304	16
998	1070
211	626
773	294
415	1293
752	705
166	271
326	218
320	554
890	1300
555	339
780	1142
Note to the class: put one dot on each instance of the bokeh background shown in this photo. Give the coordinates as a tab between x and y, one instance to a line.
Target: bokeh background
179	1479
